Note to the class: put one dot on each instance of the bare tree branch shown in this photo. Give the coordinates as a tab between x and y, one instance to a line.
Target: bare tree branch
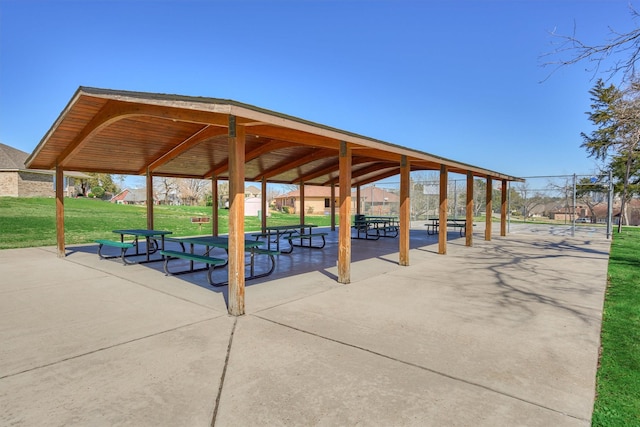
571	50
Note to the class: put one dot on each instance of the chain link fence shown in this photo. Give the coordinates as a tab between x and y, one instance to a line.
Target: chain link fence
559	201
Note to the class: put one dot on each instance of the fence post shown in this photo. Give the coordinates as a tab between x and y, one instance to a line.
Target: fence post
610	206
573	217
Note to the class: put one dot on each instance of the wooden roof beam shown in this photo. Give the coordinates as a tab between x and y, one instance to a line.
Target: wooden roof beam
377	177
295	136
110	113
202	135
288	165
334	167
377	154
250	155
331	169
176	114
355	181
370	169
267	147
180	175
114	111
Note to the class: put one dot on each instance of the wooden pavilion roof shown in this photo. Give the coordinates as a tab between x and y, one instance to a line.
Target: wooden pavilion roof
130	133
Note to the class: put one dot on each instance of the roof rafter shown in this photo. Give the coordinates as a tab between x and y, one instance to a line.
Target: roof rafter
202	135
294	136
114	111
288	165
377	177
250	155
335	167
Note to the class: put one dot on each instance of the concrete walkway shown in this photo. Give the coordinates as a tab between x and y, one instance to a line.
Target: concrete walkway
504	333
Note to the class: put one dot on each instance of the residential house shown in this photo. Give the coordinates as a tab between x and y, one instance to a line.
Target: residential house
18	181
377	201
252	191
633	212
136	196
317	200
567	213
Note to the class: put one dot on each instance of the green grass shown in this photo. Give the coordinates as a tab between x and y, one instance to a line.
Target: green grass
618	379
29	222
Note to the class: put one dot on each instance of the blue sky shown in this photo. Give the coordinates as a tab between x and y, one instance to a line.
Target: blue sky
460	79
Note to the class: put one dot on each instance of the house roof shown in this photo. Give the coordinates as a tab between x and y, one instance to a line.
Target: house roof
378	195
131	195
310	191
133	133
12	159
252	189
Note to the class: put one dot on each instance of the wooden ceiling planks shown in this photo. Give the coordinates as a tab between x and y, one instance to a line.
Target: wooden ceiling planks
170	135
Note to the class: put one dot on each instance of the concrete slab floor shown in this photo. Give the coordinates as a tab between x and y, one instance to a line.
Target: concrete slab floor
502	333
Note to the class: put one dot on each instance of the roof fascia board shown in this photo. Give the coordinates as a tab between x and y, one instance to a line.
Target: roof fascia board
74	99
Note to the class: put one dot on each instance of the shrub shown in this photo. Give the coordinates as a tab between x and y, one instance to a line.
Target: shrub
98	192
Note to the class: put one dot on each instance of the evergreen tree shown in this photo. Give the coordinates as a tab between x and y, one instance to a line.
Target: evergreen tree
616	115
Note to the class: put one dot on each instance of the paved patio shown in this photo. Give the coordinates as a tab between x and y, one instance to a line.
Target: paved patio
502	333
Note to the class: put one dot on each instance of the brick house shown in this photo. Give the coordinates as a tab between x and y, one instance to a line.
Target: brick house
317	200
18	181
136	196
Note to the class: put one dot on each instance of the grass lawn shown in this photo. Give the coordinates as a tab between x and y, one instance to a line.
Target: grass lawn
618	379
28	222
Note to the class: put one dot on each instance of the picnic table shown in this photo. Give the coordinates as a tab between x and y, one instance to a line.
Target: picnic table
209	243
150	236
275	233
460	224
374	227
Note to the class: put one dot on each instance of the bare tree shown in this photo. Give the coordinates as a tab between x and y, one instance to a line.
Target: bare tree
166	188
530	199
565	191
424	194
479	196
223	193
571	50
290	187
592	194
272	193
192	191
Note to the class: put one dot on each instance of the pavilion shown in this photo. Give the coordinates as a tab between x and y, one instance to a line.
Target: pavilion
134	133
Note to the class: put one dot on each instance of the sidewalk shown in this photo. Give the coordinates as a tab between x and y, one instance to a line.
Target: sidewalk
503	333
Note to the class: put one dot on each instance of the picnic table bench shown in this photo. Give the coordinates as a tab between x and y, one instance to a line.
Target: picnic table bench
434	225
210	261
307	238
374	227
154	240
211	242
274	234
124	246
